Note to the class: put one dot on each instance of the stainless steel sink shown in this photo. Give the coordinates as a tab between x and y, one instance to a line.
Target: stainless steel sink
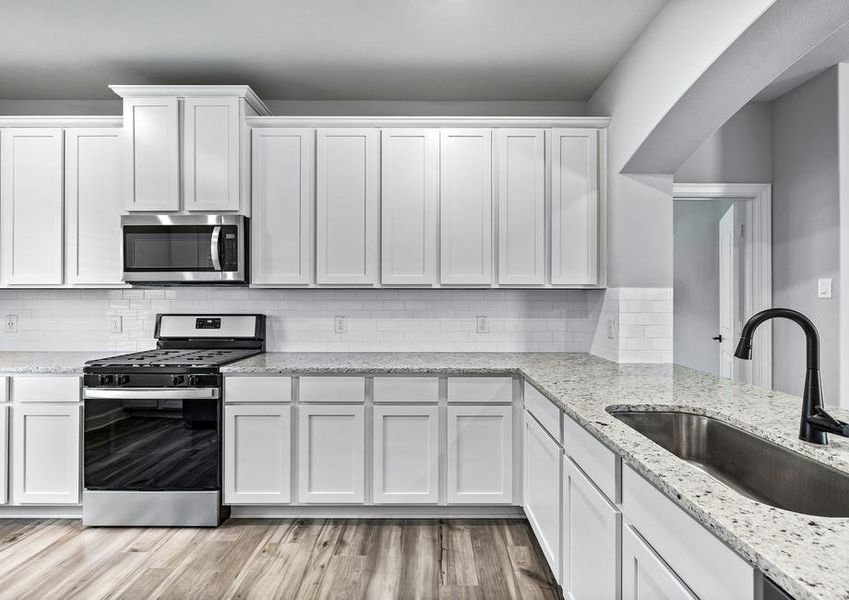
752	466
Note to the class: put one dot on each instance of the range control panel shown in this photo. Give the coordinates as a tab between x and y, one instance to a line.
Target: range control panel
207	323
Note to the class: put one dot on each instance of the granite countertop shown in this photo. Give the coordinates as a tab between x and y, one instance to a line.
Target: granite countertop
47	363
808	556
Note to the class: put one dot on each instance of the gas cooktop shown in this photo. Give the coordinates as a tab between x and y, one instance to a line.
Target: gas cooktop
187	358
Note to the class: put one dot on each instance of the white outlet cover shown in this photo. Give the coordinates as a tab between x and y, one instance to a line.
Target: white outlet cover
824	287
482	324
11	323
340	324
116	324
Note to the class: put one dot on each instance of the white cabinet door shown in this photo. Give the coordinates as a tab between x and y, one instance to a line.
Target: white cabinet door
347	189
521	206
591	534
409	205
480	454
331	454
406	454
31	206
644	575
257	454
542	490
574	206
211	143
465	186
94	189
151	129
46	453
4	454
281	196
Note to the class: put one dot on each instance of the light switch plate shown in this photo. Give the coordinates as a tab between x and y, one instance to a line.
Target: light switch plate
611	329
824	287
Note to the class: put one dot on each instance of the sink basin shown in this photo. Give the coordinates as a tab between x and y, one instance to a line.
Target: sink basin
752	466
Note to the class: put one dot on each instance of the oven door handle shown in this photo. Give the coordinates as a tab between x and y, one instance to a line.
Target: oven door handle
151	394
215	247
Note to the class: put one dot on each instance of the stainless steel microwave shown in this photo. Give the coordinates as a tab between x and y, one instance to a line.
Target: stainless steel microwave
184	249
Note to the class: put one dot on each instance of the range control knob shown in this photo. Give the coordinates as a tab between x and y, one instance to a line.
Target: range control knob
105	379
177	380
122	379
194	380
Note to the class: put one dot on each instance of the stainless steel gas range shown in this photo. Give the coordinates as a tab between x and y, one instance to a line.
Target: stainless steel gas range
152	435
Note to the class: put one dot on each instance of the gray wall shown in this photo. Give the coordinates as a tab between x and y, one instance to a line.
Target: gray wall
806	234
739	152
696	283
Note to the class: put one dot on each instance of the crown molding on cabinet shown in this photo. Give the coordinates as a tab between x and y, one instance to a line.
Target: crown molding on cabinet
194	91
430	121
61	121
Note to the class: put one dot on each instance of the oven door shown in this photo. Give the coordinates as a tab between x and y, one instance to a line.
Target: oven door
152	439
183	248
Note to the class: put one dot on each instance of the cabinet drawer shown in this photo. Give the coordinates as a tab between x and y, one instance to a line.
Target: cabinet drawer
406	389
544	411
705	564
642	569
336	390
46	389
257	389
596	460
477	390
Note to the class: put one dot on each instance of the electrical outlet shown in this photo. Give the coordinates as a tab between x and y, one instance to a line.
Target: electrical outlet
11	323
116	324
483	324
611	329
824	288
340	324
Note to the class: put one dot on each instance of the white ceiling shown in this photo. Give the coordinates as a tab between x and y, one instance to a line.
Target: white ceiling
319	49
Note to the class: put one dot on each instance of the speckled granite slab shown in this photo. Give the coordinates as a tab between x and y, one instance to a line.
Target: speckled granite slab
808	556
47	363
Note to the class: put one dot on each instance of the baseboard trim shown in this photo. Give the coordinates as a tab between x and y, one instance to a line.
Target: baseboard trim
376	512
74	511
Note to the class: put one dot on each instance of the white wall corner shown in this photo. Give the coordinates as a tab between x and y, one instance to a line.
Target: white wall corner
643	325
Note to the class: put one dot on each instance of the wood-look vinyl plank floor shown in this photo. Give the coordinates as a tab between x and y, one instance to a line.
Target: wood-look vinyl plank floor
297	559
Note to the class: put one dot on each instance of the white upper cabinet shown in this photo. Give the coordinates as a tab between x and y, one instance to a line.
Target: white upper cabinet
31	206
151	127
93	206
409	206
211	142
574	206
466	206
521	206
347	198
282	201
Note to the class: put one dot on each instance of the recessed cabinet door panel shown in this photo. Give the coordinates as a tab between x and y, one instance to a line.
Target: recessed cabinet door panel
574	206
257	454
151	128
480	454
46	454
543	489
591	534
409	205
282	196
644	575
31	206
406	454
347	190
466	206
4	454
521	206
331	454
211	154
94	189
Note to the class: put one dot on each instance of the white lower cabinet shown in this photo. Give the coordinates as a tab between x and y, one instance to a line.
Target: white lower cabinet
406	454
542	490
331	454
591	530
46	453
480	454
644	575
4	454
257	454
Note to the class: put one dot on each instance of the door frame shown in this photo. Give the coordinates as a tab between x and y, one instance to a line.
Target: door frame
757	257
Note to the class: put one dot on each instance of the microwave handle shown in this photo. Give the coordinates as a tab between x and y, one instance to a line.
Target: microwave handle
215	247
